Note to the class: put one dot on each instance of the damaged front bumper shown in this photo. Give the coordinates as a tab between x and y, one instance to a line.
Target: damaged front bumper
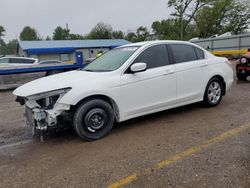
42	119
42	110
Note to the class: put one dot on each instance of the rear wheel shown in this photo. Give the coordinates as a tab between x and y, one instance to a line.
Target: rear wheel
213	93
93	119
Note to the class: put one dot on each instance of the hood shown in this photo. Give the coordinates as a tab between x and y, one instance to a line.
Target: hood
59	81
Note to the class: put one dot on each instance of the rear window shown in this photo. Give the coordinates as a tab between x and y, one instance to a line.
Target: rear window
200	53
183	53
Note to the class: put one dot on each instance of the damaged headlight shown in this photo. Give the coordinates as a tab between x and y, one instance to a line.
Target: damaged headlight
47	100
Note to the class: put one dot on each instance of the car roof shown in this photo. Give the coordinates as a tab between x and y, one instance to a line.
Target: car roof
148	43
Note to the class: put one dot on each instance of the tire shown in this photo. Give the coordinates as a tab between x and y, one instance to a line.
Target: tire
213	93
93	119
242	77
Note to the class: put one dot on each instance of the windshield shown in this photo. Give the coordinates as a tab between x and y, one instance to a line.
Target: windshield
111	60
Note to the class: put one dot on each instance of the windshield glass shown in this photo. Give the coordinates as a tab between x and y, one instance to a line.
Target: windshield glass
111	60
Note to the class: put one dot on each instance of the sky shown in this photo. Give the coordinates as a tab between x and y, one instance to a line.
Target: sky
80	15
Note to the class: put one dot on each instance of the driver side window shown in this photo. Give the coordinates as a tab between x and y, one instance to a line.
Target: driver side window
155	56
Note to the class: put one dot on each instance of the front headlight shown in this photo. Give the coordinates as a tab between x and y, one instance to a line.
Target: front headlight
49	93
48	99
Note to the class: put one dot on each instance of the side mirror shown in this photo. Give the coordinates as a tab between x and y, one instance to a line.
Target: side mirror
138	67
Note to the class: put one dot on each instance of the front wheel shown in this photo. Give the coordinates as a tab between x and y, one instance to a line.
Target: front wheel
213	93
93	119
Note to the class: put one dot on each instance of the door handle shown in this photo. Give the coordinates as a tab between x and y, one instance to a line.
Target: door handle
203	65
169	71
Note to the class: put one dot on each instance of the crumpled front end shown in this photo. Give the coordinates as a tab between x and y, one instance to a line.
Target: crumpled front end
42	110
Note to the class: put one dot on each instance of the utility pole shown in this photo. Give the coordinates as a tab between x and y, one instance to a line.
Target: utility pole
181	19
67	30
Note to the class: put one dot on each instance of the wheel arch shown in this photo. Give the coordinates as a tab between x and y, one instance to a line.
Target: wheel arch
104	98
218	76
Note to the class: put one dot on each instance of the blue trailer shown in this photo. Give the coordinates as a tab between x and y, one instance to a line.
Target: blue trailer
44	68
12	77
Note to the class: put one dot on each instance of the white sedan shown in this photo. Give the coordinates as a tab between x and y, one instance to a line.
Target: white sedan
124	83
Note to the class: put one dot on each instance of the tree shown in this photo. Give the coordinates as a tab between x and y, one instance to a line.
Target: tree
166	29
75	37
141	34
2	31
48	38
238	17
9	48
101	31
169	29
29	33
185	11
223	16
131	36
61	33
117	35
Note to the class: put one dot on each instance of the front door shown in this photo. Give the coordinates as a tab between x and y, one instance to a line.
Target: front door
151	90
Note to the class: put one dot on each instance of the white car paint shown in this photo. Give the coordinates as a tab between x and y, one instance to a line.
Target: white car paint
135	94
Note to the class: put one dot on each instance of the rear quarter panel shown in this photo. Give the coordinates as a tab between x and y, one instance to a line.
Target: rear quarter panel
218	66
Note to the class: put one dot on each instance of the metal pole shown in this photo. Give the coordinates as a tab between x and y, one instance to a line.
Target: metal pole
181	19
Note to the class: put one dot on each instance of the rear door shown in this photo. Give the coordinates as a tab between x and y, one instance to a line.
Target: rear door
191	69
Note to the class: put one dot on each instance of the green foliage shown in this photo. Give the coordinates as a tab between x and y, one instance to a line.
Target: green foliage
169	30
48	38
75	37
2	31
117	35
131	36
166	29
9	48
141	34
29	33
101	31
237	18
203	18
185	11
104	31
61	33
224	16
